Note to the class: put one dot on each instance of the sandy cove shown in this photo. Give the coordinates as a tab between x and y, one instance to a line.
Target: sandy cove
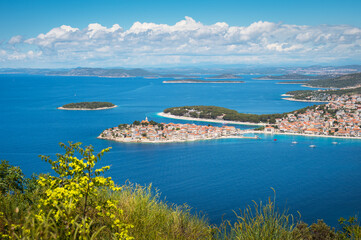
86	109
168	115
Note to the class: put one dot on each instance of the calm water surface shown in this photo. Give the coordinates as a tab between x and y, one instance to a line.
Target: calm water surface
214	177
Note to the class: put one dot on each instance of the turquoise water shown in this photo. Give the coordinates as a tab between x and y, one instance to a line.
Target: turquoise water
214	177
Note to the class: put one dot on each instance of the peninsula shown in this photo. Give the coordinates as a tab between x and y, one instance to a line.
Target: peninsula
320	95
199	81
88	106
341	82
153	132
339	118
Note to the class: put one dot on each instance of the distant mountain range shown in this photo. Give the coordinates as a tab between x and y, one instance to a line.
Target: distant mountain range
225	72
96	72
103	72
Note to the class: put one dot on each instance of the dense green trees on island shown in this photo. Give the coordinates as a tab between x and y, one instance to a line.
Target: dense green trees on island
214	112
88	105
77	202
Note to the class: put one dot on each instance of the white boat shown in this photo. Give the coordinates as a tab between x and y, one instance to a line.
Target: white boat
294	142
312	146
334	142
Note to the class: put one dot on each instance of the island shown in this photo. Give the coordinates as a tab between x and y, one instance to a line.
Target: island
199	81
88	106
225	76
153	132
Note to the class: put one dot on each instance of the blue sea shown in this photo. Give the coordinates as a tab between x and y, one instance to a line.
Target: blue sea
214	177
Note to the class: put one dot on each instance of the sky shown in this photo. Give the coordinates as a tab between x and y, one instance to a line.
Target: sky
157	33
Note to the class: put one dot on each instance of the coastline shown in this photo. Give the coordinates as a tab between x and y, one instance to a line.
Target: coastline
299	100
179	141
264	79
204	82
86	109
306	135
167	115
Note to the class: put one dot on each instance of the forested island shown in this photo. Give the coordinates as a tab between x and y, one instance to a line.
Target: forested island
222	114
199	81
88	106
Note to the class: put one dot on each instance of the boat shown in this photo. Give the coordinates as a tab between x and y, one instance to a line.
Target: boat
294	142
312	146
334	142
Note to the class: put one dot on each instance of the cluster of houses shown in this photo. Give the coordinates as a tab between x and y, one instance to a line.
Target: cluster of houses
340	117
167	132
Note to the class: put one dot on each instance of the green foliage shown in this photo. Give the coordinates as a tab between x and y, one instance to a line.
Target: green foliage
153	218
214	112
11	178
261	128
136	123
89	105
351	228
260	222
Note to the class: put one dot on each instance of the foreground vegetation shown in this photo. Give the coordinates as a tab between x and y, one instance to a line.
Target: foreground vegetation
88	105
77	202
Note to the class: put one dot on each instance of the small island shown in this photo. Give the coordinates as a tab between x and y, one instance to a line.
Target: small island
153	132
199	81
88	106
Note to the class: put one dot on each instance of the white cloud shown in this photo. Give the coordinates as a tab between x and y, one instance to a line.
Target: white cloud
187	41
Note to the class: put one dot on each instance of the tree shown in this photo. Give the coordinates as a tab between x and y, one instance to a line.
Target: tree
69	198
11	178
136	123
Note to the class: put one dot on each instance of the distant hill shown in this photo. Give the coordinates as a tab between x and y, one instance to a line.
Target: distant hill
225	76
345	81
102	72
292	77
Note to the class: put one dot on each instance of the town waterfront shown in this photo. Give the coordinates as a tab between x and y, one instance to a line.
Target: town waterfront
215	176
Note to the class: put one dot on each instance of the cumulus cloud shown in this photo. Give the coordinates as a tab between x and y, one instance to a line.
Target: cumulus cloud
188	41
